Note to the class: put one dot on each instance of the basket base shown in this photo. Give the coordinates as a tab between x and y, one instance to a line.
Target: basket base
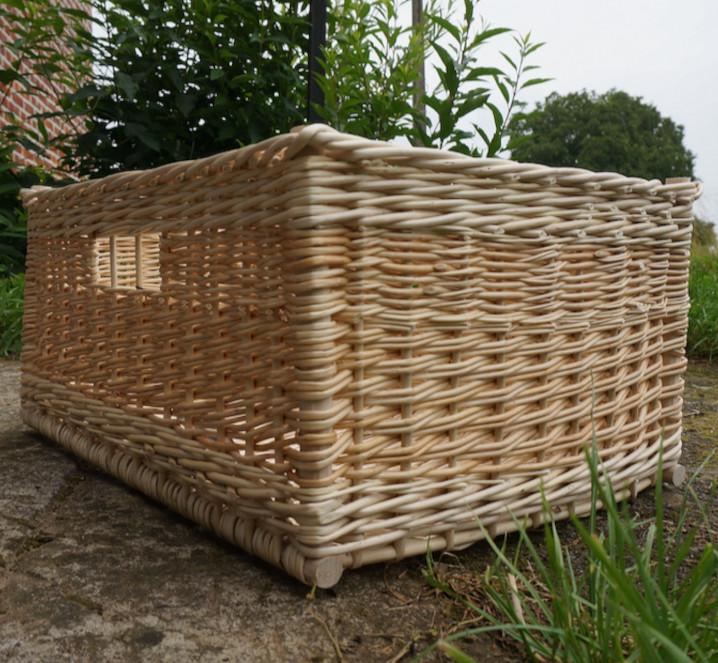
42	401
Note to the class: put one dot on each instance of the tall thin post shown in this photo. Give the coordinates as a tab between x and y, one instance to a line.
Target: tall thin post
417	19
317	39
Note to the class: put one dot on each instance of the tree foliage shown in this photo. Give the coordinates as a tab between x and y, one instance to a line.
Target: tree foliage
703	240
608	132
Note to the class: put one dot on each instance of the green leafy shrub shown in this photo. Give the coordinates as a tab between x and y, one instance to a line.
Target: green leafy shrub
11	307
373	74
703	314
631	592
13	219
13	248
177	79
13	216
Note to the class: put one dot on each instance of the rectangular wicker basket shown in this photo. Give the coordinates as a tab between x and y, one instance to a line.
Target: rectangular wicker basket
334	351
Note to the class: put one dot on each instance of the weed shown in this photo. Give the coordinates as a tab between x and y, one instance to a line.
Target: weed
639	595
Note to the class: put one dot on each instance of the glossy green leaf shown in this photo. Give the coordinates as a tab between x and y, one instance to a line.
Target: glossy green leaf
126	84
535	81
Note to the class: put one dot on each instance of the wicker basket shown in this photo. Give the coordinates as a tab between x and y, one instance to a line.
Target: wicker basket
334	351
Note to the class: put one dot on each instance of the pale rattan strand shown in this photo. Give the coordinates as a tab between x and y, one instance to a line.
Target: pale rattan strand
334	351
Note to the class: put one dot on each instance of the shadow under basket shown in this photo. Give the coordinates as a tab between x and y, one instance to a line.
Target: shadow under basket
333	351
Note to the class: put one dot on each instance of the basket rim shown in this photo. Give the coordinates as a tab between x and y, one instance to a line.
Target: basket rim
324	141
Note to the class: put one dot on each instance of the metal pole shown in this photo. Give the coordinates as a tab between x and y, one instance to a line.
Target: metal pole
317	39
417	18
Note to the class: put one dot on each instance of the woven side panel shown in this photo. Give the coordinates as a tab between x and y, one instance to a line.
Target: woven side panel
203	349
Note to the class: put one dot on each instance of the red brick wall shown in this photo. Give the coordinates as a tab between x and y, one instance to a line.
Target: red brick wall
15	101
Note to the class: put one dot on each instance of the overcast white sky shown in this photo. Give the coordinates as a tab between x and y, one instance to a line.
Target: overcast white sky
665	51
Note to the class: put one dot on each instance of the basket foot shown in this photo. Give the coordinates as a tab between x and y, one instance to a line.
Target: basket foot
324	572
675	475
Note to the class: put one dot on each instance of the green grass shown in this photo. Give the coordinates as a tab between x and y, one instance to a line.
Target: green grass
703	316
11	307
631	591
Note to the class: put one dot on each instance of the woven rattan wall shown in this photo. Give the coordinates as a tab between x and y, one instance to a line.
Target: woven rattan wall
329	350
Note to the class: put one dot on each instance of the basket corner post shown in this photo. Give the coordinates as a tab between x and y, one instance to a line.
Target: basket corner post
315	278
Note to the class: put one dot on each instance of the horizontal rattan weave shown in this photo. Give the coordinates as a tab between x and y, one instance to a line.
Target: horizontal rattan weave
334	351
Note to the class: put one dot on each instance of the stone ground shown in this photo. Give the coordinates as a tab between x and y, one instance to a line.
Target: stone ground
90	570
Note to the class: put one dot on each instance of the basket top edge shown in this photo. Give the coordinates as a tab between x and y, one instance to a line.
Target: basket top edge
321	139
